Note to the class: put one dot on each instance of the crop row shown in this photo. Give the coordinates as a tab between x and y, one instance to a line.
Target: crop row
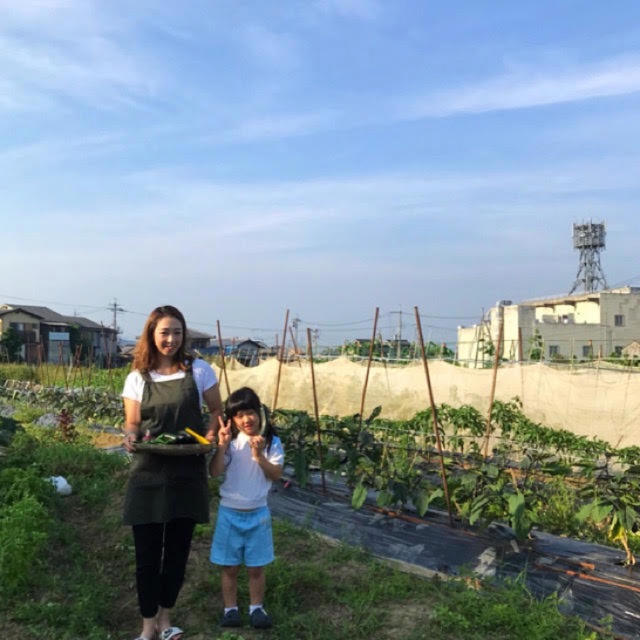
535	476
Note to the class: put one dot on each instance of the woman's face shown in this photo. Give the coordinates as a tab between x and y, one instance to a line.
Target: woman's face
167	336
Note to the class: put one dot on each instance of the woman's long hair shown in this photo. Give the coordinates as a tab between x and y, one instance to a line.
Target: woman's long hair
145	355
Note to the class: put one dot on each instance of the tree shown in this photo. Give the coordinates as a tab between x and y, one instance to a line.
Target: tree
535	346
11	343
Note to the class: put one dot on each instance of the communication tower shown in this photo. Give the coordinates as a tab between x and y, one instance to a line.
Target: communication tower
588	238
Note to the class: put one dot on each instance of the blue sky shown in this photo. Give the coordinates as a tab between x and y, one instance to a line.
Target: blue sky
328	156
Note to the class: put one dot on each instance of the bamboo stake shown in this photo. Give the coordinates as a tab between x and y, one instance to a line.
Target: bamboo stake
315	406
108	353
445	486
40	368
76	363
496	361
284	339
366	377
80	367
90	366
224	366
519	344
55	374
47	367
571	356
295	346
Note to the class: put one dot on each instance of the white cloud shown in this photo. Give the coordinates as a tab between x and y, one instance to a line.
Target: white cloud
523	89
281	126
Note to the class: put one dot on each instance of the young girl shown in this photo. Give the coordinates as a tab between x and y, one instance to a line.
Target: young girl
166	495
251	457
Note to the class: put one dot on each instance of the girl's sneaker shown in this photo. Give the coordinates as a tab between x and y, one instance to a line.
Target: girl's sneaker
260	619
231	619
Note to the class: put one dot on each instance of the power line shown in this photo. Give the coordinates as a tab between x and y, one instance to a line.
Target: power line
64	304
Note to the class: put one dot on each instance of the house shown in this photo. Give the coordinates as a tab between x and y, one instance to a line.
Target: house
52	337
580	326
632	351
198	339
27	326
246	350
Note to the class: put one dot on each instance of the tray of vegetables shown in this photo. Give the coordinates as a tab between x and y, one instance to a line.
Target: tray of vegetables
183	443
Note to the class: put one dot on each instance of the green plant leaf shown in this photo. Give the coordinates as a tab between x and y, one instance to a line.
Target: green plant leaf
358	496
600	512
585	512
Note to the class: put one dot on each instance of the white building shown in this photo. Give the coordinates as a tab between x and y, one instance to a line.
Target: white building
580	326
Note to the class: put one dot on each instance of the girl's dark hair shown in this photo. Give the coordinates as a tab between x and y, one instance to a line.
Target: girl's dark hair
246	399
145	356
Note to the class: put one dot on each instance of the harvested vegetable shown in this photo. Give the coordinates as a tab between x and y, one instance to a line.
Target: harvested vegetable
197	436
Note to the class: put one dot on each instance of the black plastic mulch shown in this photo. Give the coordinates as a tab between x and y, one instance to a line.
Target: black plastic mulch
590	580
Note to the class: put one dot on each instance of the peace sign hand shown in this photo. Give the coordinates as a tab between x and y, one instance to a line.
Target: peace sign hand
224	433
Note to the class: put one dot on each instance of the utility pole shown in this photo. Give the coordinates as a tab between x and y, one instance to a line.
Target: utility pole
115	308
295	323
399	334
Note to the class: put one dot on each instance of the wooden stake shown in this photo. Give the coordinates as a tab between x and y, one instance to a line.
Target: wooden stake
76	362
284	339
40	369
55	374
519	344
90	374
496	361
295	346
315	406
224	366
366	378
436	431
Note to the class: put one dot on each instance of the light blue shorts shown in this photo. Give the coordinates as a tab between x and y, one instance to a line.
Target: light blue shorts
242	537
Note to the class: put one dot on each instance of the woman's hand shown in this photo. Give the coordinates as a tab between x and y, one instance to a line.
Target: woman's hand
130	438
258	444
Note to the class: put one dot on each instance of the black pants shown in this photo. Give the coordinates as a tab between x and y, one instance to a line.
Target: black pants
161	558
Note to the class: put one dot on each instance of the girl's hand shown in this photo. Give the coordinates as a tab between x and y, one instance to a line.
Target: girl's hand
224	433
210	435
258	444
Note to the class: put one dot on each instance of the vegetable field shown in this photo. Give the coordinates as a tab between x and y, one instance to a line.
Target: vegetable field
534	476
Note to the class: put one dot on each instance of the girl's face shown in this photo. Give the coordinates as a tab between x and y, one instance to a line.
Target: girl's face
248	422
167	336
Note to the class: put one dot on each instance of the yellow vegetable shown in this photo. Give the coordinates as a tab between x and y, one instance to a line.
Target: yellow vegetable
197	436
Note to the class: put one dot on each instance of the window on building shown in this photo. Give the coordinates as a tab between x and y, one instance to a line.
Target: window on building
618	320
554	350
587	351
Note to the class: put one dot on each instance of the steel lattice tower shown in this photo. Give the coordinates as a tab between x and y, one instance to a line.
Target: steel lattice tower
588	238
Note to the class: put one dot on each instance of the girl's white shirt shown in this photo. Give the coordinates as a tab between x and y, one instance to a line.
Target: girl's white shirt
203	375
245	485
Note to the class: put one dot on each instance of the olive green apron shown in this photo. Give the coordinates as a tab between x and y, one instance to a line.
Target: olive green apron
163	487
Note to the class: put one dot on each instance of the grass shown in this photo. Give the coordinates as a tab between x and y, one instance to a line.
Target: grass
75	577
55	375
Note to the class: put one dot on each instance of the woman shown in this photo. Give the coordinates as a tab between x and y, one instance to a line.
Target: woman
166	495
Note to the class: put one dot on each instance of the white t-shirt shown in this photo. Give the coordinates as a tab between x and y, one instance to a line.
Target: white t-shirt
245	485
203	375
